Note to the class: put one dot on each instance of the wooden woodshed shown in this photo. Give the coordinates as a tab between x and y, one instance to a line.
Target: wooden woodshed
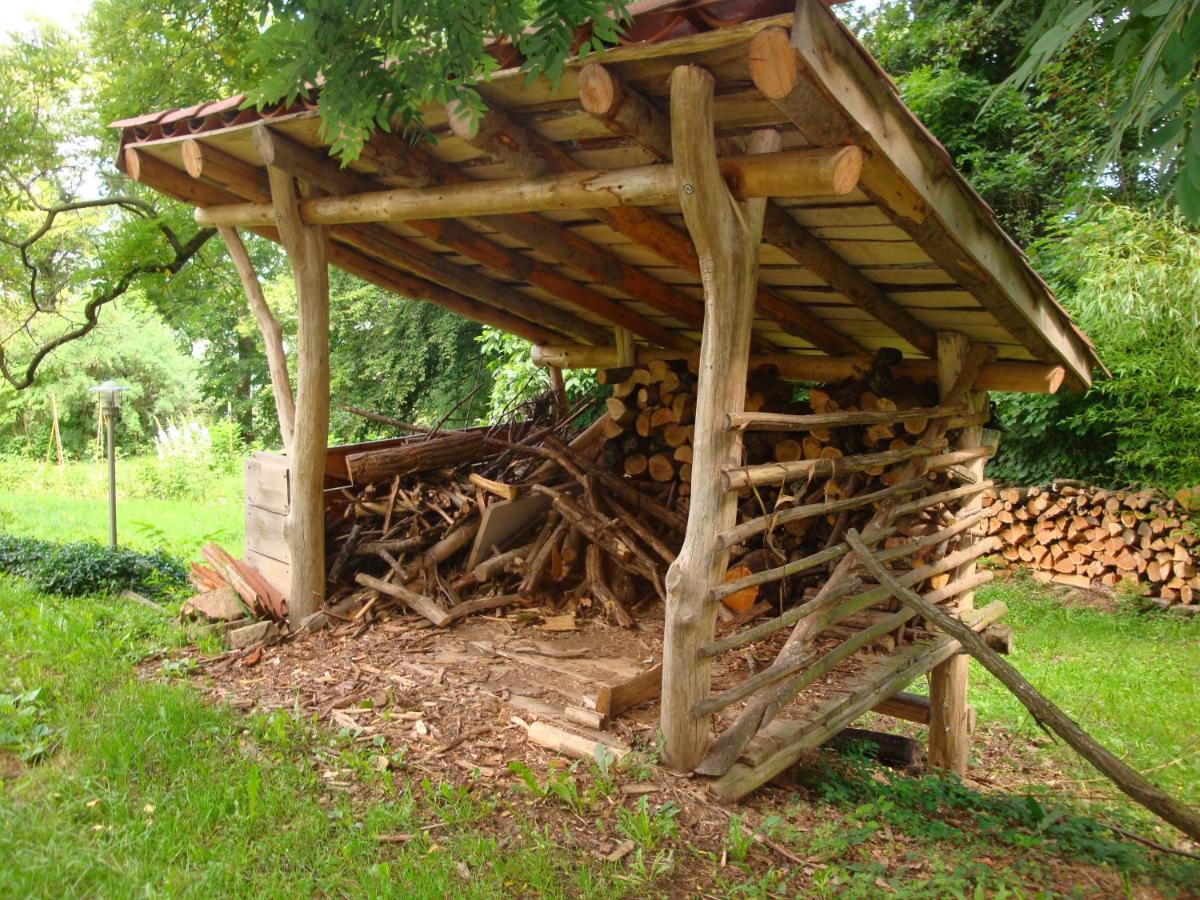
737	185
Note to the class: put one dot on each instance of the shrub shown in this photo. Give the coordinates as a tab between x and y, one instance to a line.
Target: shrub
1131	279
86	567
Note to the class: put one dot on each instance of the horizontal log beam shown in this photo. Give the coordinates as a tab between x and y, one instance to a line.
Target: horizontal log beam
163	177
906	706
783	472
751	527
1019	377
217	167
761	421
858	601
790	173
922	503
279	150
402	164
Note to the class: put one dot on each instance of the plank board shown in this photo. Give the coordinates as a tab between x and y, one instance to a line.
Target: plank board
503	522
266	481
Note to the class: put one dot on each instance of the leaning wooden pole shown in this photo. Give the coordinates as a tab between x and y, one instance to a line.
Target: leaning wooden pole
727	236
1131	782
304	531
272	334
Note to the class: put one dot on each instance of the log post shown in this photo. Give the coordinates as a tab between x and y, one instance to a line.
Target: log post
272	335
626	349
304	531
949	734
727	235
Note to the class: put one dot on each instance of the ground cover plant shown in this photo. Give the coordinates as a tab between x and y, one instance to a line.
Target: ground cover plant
88	567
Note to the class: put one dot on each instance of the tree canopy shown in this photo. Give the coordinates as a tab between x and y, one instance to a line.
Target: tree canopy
377	62
1152	52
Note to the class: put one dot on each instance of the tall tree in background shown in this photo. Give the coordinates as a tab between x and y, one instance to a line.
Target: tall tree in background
75	235
1153	49
1030	150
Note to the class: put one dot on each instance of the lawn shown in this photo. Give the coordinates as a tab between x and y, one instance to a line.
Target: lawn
1131	678
113	784
178	506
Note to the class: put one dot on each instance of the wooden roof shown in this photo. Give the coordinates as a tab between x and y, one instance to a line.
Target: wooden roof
910	251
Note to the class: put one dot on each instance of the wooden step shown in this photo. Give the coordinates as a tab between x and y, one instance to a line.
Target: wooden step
784	741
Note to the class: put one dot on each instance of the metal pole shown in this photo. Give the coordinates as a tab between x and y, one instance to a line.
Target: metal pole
110	414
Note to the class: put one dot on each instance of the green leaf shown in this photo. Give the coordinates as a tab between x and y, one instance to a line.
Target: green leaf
1187	194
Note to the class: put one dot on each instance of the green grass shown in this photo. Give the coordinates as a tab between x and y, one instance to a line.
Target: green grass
141	787
147	789
111	785
176	504
145	524
1131	678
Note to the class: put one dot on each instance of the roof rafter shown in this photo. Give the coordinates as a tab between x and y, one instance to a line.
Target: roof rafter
146	169
378	241
528	152
626	112
818	76
400	162
278	149
501	137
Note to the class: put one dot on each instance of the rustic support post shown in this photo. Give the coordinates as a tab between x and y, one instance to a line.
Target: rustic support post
626	349
558	385
304	531
727	235
949	734
272	335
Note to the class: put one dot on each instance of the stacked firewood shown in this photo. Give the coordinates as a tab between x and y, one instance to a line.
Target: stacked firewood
592	525
649	441
1087	536
221	573
456	523
650	427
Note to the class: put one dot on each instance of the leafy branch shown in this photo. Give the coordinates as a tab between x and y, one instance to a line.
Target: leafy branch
45	300
1155	48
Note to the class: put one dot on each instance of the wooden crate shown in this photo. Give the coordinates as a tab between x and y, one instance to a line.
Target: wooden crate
268	498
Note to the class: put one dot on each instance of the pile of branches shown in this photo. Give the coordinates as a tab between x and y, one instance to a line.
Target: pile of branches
454	523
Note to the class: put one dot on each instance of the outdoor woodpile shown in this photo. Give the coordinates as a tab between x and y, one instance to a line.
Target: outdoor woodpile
456	523
1084	536
450	524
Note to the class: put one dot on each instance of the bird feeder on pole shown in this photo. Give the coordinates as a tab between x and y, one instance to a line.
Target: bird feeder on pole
108	394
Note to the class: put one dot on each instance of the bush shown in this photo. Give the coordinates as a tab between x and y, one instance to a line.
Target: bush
86	567
1131	279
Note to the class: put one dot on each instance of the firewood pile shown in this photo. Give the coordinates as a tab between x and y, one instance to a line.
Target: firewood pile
456	523
221	576
1081	536
649	436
